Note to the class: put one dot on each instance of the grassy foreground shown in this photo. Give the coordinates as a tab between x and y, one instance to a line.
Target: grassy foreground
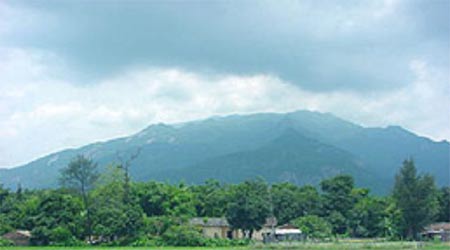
305	246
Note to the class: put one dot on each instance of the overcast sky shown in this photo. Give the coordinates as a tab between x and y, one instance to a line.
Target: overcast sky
75	72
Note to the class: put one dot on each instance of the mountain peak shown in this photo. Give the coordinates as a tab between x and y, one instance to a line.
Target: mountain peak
302	137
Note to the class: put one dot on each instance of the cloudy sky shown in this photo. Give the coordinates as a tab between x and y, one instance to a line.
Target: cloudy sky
75	72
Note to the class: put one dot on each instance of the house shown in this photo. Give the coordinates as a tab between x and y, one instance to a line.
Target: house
437	230
285	232
215	228
220	228
267	228
18	237
288	232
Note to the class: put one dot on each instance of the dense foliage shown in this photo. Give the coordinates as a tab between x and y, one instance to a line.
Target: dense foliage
156	213
417	199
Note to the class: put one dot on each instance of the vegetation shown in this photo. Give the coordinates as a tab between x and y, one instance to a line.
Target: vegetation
81	175
302	246
116	211
416	198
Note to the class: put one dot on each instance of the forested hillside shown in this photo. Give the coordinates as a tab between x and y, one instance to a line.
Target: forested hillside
300	147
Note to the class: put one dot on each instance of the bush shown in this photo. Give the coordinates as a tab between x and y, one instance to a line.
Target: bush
61	236
188	237
40	236
183	236
313	226
5	242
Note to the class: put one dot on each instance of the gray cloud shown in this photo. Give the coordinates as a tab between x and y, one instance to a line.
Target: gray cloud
348	45
102	70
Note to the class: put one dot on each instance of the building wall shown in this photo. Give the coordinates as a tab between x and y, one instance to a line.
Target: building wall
215	232
19	240
222	232
258	235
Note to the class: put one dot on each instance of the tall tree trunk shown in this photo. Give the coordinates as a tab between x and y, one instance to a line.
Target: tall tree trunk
88	216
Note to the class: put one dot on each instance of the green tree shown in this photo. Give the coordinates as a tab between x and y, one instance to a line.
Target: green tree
3	194
56	212
416	198
313	226
161	199
367	217
210	199
290	201
249	206
114	218
338	200
444	205
125	165
393	220
81	175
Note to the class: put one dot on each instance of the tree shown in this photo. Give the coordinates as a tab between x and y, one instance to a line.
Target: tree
313	226
444	205
337	193
161	199
249	206
56	212
210	199
3	193
290	201
338	200
81	175
367	217
416	198
125	165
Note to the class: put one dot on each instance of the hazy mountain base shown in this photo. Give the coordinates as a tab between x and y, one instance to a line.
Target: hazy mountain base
301	147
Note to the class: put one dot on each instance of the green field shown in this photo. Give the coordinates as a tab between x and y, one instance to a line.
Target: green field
317	246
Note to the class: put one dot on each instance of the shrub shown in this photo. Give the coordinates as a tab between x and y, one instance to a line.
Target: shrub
5	242
61	236
183	235
314	226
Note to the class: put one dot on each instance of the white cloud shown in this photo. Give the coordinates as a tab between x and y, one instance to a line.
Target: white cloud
41	113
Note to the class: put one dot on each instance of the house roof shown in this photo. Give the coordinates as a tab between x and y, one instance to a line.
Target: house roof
442	226
287	226
222	222
287	231
22	233
209	222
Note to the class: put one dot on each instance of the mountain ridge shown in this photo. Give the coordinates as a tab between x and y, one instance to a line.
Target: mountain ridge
174	147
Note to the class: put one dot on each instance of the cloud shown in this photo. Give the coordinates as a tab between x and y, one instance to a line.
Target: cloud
351	45
73	72
41	111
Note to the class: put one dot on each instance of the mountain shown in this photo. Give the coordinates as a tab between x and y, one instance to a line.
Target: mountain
289	158
300	147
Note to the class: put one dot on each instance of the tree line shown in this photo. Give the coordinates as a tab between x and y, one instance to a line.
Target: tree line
111	209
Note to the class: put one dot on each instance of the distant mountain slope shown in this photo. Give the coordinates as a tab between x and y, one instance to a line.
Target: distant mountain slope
289	158
299	145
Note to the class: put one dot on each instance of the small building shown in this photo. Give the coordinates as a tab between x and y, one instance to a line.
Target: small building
220	228
19	237
215	228
267	228
285	232
288	232
437	230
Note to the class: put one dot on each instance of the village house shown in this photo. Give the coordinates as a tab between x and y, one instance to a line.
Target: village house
285	232
18	237
220	228
437	230
215	228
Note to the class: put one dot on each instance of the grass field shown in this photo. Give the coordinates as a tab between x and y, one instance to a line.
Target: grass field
314	246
